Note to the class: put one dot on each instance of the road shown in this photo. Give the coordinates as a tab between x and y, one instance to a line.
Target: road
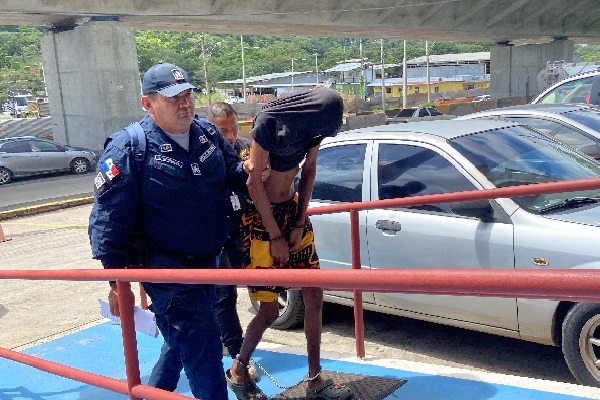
40	190
31	312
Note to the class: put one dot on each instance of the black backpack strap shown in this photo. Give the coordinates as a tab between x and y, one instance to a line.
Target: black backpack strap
137	137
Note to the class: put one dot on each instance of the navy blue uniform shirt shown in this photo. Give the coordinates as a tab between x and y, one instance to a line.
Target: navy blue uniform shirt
177	197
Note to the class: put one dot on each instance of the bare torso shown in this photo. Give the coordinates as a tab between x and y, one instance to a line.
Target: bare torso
280	185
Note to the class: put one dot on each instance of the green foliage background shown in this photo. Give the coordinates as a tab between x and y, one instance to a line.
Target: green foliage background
20	46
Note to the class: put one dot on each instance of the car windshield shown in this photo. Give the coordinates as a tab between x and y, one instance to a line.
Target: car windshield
576	91
406	112
519	156
21	101
590	118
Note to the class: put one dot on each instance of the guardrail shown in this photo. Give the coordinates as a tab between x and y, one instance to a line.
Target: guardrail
557	284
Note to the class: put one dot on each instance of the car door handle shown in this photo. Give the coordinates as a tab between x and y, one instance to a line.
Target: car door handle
388	227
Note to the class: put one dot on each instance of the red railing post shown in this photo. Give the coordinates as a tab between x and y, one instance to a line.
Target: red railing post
359	322
132	362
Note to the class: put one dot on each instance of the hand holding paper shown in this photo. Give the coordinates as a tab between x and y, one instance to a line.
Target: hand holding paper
145	322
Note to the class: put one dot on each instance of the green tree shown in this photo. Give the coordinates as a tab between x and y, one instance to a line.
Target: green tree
21	43
11	79
588	53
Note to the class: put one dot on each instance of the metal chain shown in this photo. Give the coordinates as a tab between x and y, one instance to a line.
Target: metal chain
272	379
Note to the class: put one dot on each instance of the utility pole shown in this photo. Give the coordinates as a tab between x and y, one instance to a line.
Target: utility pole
363	89
243	68
404	85
205	72
382	77
428	75
317	67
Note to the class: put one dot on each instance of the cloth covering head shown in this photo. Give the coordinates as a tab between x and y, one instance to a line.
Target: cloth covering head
166	79
288	127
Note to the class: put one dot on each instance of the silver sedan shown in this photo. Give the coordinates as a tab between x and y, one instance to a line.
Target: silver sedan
28	155
576	125
534	232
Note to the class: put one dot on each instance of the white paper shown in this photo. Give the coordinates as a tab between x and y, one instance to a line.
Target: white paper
145	321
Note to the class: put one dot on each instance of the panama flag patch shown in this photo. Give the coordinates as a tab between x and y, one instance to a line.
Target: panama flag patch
110	169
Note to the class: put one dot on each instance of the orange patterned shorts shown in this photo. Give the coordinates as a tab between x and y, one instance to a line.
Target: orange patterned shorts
257	245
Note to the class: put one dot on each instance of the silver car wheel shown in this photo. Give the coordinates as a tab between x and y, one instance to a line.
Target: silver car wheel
80	166
5	176
589	344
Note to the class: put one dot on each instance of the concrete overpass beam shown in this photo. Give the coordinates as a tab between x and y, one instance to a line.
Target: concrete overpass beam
93	81
514	69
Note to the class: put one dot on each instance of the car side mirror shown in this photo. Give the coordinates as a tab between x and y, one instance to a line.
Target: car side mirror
480	209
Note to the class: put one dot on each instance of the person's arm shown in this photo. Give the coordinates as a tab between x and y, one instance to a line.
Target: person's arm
305	187
112	217
279	245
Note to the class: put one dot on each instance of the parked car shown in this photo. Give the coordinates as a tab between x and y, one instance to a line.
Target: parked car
579	88
483	97
577	125
534	232
413	112
28	155
234	99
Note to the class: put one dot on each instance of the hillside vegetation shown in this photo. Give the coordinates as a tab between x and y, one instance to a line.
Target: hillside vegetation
21	58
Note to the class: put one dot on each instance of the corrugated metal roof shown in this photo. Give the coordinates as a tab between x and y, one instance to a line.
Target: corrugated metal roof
266	77
423	81
451	58
344	67
351	66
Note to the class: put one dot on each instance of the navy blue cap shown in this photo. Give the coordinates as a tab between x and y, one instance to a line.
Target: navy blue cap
166	79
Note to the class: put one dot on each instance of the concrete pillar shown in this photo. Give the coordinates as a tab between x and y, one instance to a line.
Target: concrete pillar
93	81
514	69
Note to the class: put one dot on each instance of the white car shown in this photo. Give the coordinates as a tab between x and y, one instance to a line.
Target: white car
483	97
579	88
534	232
234	99
576	125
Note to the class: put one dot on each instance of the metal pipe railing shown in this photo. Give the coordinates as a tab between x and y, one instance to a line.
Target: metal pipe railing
563	284
557	284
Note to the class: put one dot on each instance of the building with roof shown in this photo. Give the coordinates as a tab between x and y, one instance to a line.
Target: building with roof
281	83
447	73
393	86
450	65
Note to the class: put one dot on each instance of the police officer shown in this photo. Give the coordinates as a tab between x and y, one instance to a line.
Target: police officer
173	203
226	120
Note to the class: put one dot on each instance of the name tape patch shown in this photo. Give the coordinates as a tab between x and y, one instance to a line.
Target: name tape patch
207	153
168	160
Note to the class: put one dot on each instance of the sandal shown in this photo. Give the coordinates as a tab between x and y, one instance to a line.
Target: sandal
329	391
245	391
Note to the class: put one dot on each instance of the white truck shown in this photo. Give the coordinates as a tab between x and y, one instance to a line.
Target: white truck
16	102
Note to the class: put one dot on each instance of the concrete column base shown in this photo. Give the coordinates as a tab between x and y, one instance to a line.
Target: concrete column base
93	81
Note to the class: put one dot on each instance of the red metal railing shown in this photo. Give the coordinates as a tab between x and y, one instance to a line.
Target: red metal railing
563	284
